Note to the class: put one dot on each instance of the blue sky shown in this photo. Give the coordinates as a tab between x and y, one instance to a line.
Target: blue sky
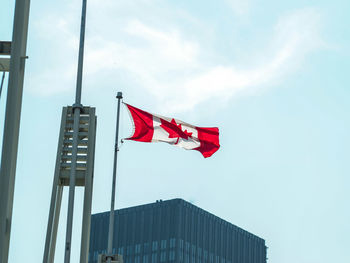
272	75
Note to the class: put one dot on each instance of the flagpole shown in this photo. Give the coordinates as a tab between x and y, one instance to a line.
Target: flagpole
111	214
77	107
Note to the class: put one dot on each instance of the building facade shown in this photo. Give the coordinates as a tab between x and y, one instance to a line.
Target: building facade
174	231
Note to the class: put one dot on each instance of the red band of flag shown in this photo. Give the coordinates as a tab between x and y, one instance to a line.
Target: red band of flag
154	128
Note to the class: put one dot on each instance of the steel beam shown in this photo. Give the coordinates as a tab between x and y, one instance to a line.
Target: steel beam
12	124
5	47
85	147
56	196
5	64
86	224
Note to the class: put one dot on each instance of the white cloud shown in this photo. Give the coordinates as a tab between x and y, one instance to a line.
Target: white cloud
295	36
169	64
167	45
239	7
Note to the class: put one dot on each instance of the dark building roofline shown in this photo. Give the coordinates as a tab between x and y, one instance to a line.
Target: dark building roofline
179	201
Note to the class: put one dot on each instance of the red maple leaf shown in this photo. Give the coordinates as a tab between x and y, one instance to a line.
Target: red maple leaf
174	130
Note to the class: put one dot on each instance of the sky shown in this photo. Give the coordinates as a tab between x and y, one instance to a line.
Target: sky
272	75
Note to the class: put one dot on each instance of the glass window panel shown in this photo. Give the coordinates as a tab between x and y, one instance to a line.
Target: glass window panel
163	256
187	245
154	245
205	255
163	244
172	242
181	244
181	255
145	247
154	258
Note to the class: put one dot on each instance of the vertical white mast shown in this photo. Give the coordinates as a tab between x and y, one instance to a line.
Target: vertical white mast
111	214
74	166
77	107
12	123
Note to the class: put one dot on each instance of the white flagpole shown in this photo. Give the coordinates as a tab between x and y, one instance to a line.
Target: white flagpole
111	214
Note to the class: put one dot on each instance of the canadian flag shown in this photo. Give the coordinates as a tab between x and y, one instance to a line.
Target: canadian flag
154	128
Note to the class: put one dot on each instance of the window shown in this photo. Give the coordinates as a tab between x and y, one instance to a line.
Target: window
145	259
187	245
163	244
121	250
154	258
181	255
211	258
145	247
163	256
181	244
137	248
154	245
137	259
217	259
172	242
187	258
129	250
205	255
171	255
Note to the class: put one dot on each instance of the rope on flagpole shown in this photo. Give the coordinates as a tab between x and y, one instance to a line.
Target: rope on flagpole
121	142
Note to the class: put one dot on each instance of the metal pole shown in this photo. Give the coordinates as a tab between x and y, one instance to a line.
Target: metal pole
81	54
72	187
85	232
77	107
12	123
111	214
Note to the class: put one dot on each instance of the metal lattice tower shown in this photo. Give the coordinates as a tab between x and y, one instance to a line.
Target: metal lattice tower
84	175
74	165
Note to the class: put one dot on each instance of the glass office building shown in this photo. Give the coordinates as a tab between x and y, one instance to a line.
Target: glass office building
174	231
